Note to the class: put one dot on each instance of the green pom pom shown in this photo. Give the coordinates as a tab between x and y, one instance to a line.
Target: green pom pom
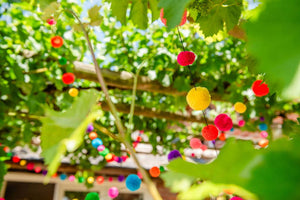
161	168
92	196
62	61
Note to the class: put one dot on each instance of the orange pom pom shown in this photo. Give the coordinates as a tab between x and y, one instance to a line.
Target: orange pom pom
263	143
222	137
93	135
154	172
57	41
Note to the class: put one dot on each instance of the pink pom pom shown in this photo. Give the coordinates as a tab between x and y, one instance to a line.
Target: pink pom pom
51	21
203	147
72	178
113	192
264	134
236	198
223	122
195	143
100	147
241	123
186	58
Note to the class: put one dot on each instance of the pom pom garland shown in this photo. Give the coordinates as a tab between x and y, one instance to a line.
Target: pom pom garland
72	178
223	122
63	177
100	179
23	162
186	58
198	98
154	172
164	20
210	132
92	196
30	166
96	142
264	134
173	155
104	152
113	192
90	180
260	89
73	92
101	148
15	159
93	135
133	182
68	78
195	143
240	107
37	170
57	41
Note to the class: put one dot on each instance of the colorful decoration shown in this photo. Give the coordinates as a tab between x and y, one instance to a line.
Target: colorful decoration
164	20
263	127
90	180
241	123
222	137
264	134
110	179
133	182
240	107
80	179
90	128
113	192
15	159
139	174
93	135
161	168
100	179
73	92
57	41
108	157
186	58
68	78
203	147
44	172
236	198
210	132
30	166
263	143
195	143
96	142
92	196
63	177
223	122
104	152
173	155
51	21
121	178
154	172
198	98
37	169
260	89
101	148
72	178
62	61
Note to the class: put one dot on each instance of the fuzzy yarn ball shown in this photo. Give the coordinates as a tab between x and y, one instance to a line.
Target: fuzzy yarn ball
92	196
104	152
164	20
133	182
57	41
186	58
96	142
113	192
241	123
222	137
210	132
260	89
73	92
63	177
100	179
154	172
240	107
263	143
198	98
263	127
72	178
90	128
195	143
121	178
236	198
68	78
15	159
264	134
173	155
30	166
62	61
223	122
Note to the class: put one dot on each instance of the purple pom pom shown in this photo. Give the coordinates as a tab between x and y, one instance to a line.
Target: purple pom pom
44	172
90	128
173	154
121	178
262	119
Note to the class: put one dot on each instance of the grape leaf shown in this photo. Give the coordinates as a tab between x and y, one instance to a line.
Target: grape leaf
176	181
154	9
223	13
182	83
62	131
173	11
138	13
119	8
94	15
50	10
274	40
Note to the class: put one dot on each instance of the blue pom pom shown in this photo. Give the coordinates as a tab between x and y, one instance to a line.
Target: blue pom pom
133	182
263	127
96	142
63	177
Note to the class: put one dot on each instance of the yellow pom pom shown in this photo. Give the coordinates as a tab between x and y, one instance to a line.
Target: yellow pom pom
90	180
23	162
108	156
73	92
198	98
240	107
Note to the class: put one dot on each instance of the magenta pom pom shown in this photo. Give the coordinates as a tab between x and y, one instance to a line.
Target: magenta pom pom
186	58
113	192
236	198
223	122
241	123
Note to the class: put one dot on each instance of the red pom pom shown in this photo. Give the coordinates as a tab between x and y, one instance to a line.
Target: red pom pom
222	137
186	58
164	20
195	143
57	41
30	166
16	159
223	122
51	21
210	132
68	78
260	89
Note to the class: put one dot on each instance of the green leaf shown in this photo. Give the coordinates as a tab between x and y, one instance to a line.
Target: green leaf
176	181
173	11
50	10
154	9
182	83
138	13
62	131
208	189
223	14
118	9
274	41
94	15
